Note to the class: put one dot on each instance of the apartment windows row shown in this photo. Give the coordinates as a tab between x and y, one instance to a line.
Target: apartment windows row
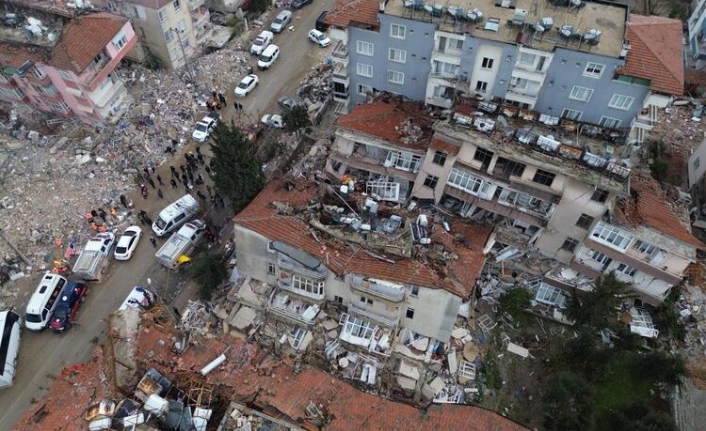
164	15
611	236
575	115
447	44
403	161
393	76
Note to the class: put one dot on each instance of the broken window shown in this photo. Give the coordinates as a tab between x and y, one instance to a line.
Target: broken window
599	195
570	244
544	178
386	190
484	156
626	269
357	331
644	247
410	313
431	181
585	221
550	295
403	161
270	268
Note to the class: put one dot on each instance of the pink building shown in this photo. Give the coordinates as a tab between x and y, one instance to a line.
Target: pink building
66	65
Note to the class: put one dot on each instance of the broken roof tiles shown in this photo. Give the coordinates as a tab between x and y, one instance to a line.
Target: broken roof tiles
648	205
346	12
401	123
272	214
656	52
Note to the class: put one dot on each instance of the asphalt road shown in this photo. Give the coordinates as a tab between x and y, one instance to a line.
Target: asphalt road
43	355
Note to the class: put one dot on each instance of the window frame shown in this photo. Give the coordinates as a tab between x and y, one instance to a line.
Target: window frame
579	90
621	106
611	236
307	285
163	15
523	55
271	268
570	244
482	86
585	221
361	44
566	114
543	176
409	313
593	66
358	71
487	63
364	93
402	60
604	119
439	158
391	73
401	32
177	5
431	181
600	195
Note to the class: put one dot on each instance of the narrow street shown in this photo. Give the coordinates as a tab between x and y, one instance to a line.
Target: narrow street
43	355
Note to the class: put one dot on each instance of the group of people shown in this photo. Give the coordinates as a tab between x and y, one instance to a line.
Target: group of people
218	101
93	216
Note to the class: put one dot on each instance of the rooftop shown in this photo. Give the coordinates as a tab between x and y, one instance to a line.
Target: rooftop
401	123
388	250
72	46
352	12
514	21
656	52
648	206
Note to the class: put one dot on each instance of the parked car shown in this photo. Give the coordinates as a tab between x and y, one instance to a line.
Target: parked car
204	128
247	85
273	120
319	38
261	42
128	243
268	57
281	21
73	295
287	102
298	4
321	22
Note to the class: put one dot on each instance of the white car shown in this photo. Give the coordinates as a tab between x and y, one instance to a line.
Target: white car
319	38
204	128
268	57
128	243
246	85
273	120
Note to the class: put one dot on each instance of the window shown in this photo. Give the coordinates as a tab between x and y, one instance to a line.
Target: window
465	181
550	295
487	63
431	181
364	48
644	247
177	6
601	258
585	221
481	86
338	299
49	89
38	72
181	25
619	101
364	90
168	35
439	158
307	285
544	178
415	291
593	70
410	313
13	94
599	195
66	75
403	161
610	123
59	106
119	43
570	244
611	235
443	68
173	54
581	94
162	15
697	163
359	328
364	70
527	58
270	268
626	269
397	55
398	31
270	247
395	77
456	44
571	114
484	156
365	300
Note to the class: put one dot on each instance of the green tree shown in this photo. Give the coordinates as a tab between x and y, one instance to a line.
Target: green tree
639	416
208	271
514	301
660	367
296	119
594	308
259	6
568	403
237	173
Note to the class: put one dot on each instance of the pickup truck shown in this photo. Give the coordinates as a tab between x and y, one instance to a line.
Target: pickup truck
181	243
94	258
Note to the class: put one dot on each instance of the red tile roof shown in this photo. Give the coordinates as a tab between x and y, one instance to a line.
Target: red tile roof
390	121
647	206
656	52
345	12
81	40
458	277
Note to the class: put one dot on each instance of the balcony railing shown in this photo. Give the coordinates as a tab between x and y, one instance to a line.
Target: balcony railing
380	290
340	96
340	50
340	71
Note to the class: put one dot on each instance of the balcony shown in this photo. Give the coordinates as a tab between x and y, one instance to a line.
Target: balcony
102	96
340	71
292	308
388	292
383	320
340	96
340	50
493	206
528	72
441	102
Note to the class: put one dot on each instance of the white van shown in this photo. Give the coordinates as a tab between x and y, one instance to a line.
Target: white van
10	325
261	42
268	57
175	215
181	243
43	301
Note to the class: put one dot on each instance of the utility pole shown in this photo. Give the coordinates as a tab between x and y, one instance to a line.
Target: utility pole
183	54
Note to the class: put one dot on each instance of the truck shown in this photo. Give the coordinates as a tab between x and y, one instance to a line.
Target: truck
175	215
10	325
94	258
181	243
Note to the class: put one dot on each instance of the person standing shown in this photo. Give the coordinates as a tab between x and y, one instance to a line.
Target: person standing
222	99
153	241
159	180
150	181
173	183
159	194
174	172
